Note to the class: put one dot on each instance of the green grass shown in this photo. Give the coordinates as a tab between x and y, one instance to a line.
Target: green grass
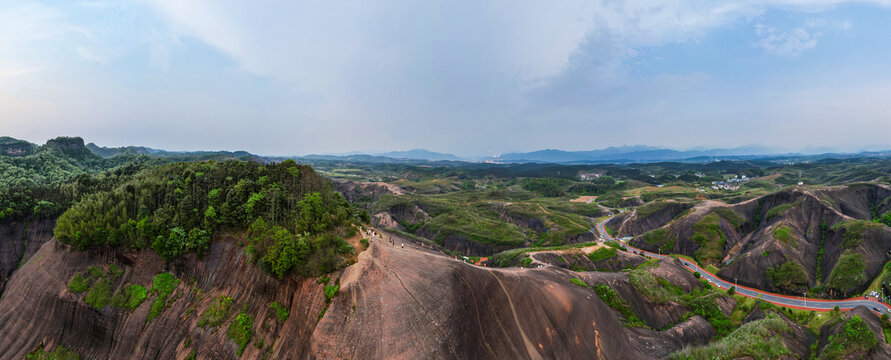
162	286
331	292
848	273
708	235
60	353
853	231
781	209
651	208
658	290
760	339
789	278
784	234
241	331
852	337
602	254
99	294
78	284
612	298
129	297
578	282
730	216
281	313
661	238
216	313
506	258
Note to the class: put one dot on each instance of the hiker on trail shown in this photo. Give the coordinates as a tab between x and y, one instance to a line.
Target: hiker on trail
403	245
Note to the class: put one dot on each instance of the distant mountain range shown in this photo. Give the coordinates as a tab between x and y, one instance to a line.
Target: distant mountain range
625	154
611	155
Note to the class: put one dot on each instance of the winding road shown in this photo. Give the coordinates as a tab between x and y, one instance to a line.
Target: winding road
796	302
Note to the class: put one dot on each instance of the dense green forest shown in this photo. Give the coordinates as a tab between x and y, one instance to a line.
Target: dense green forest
44	180
296	220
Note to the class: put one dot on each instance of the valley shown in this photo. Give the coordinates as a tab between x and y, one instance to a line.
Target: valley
147	256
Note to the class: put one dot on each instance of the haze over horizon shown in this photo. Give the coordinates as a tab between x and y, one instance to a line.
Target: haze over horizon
469	79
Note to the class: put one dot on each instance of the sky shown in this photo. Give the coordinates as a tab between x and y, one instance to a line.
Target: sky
465	77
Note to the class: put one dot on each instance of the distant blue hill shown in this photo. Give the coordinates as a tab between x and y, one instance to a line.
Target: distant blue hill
420	154
622	154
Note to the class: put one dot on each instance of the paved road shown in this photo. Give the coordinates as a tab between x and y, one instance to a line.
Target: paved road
798	302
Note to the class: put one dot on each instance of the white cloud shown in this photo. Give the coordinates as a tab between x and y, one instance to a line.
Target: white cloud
785	43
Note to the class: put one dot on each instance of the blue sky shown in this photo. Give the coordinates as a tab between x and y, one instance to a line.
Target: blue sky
467	77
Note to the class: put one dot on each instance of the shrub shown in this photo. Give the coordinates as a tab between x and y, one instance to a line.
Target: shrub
99	294
759	339
525	262
241	331
331	292
216	313
790	277
853	231
784	234
281	313
78	284
849	272
854	336
602	254
578	282
731	290
130	297
697	274
611	298
660	238
162	286
60	353
708	235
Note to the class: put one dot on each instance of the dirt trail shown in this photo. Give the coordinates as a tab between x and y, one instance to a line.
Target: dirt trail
530	348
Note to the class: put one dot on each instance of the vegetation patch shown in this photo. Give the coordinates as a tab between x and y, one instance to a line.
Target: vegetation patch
281	313
241	331
216	313
658	290
652	208
60	353
162	286
578	282
781	209
612	298
78	284
331	291
661	239
602	254
129	297
853	231
708	234
854	336
789	278
849	272
784	234
175	209
730	216
760	339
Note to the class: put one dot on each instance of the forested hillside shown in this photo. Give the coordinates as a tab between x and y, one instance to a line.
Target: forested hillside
40	180
295	219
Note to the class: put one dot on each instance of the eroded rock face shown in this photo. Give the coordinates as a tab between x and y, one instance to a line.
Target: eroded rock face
393	303
19	240
832	329
809	217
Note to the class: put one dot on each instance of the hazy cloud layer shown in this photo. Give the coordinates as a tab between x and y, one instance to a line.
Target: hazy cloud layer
488	77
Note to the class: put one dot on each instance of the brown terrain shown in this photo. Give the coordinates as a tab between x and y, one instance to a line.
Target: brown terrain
750	246
393	303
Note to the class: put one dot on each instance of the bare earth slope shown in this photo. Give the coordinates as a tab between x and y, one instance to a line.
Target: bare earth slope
393	303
